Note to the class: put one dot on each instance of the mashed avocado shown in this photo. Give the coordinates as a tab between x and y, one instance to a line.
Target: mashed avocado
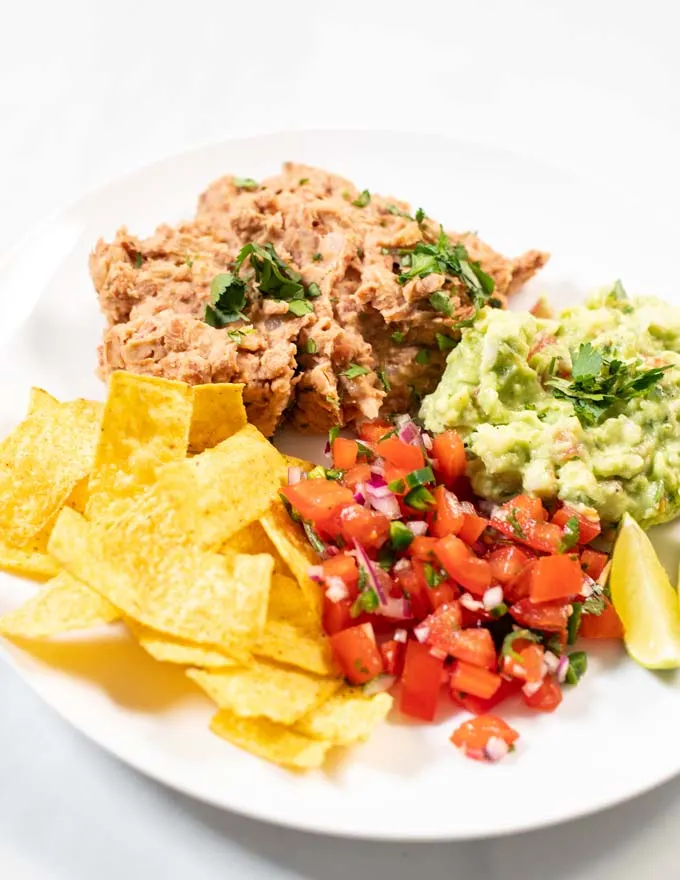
503	390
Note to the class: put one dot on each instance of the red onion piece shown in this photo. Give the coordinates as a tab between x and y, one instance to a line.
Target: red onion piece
377	481
383	501
378	685
408	431
336	589
417	527
396	609
562	668
360	493
427	441
400	635
362	558
295	475
332	550
378	467
496	748
422	632
315	573
402	564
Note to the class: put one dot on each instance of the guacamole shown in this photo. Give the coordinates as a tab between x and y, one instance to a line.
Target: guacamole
512	389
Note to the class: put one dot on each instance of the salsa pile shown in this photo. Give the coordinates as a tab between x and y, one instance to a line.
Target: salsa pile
447	595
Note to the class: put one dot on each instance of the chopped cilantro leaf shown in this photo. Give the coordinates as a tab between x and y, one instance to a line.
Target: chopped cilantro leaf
300	307
311	347
303	180
441	302
594	604
445	342
398	336
333	434
138	260
363	578
354	371
317	257
364	450
313	290
313	538
362	199
384	381
227	299
517	529
397	212
570	534
334	474
423	356
420	216
433	576
245	183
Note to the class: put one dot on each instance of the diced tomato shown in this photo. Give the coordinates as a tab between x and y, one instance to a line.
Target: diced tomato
555	577
415	588
472	529
420	682
473	646
530	665
522	519
317	500
369	527
372	432
357	653
602	626
393	656
588	523
448	517
550	616
506	563
443	624
547	698
469	679
518	588
481	707
545	537
394	474
449	453
444	594
461	564
401	454
345	567
473	735
473	619
530	506
422	548
344	453
337	615
360	473
593	562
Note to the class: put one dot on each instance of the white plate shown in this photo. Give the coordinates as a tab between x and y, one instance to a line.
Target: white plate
613	737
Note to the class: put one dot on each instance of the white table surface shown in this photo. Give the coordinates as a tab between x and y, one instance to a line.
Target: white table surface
90	89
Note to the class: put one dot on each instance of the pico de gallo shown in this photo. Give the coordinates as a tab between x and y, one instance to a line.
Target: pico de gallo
447	595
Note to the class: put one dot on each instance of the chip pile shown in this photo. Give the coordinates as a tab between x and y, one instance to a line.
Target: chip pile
160	509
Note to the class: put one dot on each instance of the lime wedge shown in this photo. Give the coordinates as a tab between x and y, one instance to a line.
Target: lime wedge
644	600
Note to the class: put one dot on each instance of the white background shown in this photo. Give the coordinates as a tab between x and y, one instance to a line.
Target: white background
91	89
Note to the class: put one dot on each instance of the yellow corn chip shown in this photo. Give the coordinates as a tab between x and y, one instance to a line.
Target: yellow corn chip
145	568
303	464
253	539
40	401
347	717
168	649
218	413
236	482
30	560
41	462
145	425
270	741
290	541
62	605
287	602
265	690
284	642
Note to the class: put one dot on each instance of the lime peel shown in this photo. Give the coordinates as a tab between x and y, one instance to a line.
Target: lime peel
644	600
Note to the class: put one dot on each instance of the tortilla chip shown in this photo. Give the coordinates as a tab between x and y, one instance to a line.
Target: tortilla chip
144	426
292	645
236	482
146	568
287	603
347	717
30	560
270	741
265	690
303	464
41	462
294	548
172	650
253	539
218	413
64	604
40	401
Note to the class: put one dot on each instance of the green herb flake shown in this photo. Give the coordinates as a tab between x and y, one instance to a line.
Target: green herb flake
317	473
354	371
441	302
313	538
362	199
570	534
333	434
138	260
303	180
433	576
300	307
578	664
397	212
384	381
364	450
310	347
317	257
334	474
574	622
422	357
313	290
400	536
245	183
420	216
445	343
398	336
595	604
517	529
227	299
363	578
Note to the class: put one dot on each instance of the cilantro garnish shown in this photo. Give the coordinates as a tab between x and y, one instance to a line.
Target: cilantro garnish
227	299
397	212
313	290
445	342
332	434
311	347
317	257
574	622
570	534
300	307
441	302
594	604
420	216
362	199
422	357
517	529
446	258
313	538
433	576
302	181
364	450
138	260
398	336
237	335
598	382
363	578
384	381
245	183
354	371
